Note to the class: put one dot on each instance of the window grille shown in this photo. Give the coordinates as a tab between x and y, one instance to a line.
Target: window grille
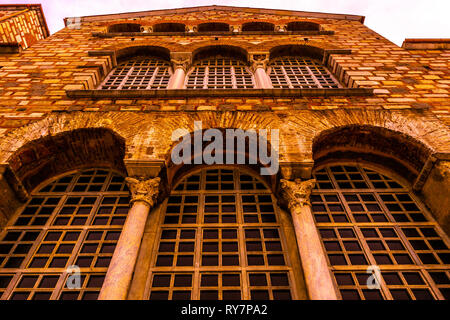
219	73
143	73
366	218
220	237
300	73
74	220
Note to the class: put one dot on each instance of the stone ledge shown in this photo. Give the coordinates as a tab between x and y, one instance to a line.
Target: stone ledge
215	33
186	93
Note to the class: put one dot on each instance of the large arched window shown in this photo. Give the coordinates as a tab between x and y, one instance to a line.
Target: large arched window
367	219
139	73
125	27
221	237
169	27
219	72
213	27
74	220
300	73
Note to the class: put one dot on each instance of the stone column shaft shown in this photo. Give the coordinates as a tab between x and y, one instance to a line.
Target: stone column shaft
177	79
318	278
262	79
121	268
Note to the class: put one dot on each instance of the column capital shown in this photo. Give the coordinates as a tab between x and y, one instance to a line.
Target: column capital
259	60
145	190
181	60
296	193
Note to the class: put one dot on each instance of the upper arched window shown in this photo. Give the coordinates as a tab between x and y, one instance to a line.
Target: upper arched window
219	72
75	219
213	27
300	72
366	218
139	73
258	26
302	26
125	27
169	27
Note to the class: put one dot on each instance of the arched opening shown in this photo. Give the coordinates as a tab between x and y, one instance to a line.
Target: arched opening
219	67
125	27
258	26
213	27
299	67
169	27
221	236
72	219
367	218
385	147
139	68
49	156
302	26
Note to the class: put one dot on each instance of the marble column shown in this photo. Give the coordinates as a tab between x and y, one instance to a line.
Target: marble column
259	65
118	278
318	277
180	64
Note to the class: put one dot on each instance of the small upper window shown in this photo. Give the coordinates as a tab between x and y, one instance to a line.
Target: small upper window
219	73
139	73
213	27
302	26
125	27
301	73
169	27
258	26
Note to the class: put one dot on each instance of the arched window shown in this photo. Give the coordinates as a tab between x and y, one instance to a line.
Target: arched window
367	219
139	73
221	237
125	27
302	26
74	220
300	72
258	26
213	27
169	27
219	73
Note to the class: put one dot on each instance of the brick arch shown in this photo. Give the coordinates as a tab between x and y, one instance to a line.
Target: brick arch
192	47
398	137
229	50
170	46
270	45
52	155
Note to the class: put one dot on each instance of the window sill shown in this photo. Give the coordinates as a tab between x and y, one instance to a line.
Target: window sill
187	93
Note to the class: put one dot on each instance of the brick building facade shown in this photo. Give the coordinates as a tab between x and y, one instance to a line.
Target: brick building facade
87	179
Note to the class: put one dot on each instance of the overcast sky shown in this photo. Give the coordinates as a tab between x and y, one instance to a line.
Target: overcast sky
393	19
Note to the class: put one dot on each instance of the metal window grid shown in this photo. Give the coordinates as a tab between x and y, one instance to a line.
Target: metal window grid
360	211
64	223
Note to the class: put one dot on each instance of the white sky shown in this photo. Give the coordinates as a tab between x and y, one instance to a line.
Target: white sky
393	19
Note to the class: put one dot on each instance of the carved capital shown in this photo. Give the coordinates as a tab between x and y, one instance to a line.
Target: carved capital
180	60
235	28
259	61
191	28
145	190
297	193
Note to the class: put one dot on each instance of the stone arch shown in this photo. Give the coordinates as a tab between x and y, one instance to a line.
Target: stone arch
52	155
392	149
169	27
318	46
144	43
124	27
175	171
126	53
213	26
242	46
257	26
302	25
226	50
